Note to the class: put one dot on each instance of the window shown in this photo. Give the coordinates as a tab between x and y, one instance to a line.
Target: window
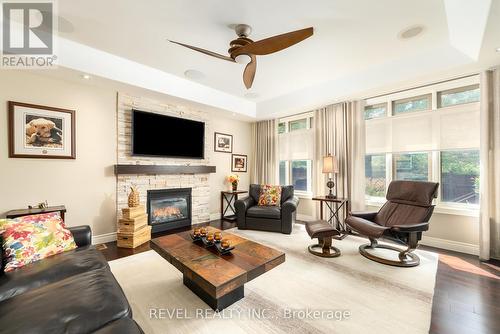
375	169
297	173
375	111
411	166
294	123
296	151
411	104
460	176
281	127
432	134
298	124
460	95
301	175
283	173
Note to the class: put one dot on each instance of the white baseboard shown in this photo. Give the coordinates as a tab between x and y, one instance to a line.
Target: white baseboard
103	238
306	218
456	246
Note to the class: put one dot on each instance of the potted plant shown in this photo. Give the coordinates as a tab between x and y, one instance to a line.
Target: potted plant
234	179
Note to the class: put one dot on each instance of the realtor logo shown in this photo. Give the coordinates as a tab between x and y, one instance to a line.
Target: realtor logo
28	34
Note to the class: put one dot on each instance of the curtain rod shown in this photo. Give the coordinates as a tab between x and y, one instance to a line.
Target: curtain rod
422	86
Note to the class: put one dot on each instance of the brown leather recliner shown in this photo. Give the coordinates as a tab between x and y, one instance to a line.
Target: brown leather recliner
401	219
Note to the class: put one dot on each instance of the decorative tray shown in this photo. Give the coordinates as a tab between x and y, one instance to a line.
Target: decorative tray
209	244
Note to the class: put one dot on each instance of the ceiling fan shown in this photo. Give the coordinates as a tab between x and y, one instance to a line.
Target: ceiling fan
244	51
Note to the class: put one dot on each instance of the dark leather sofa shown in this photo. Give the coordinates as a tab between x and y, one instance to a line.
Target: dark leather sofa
72	292
267	218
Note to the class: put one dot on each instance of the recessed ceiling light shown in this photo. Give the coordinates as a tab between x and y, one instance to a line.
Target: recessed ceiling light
194	74
86	76
498	49
411	32
251	95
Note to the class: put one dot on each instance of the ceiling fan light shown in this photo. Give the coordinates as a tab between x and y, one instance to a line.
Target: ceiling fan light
242	59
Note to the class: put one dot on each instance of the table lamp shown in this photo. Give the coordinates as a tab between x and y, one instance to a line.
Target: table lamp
330	166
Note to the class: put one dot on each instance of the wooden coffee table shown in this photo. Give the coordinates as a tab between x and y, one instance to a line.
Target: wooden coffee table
217	279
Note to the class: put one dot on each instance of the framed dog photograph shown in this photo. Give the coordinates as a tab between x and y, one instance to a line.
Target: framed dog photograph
223	142
239	163
41	132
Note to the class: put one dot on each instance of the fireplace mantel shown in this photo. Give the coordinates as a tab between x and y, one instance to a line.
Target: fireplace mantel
162	169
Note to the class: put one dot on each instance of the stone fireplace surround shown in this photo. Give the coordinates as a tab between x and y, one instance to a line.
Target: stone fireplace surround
199	183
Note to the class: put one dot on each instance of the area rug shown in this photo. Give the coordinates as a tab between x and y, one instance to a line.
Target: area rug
306	294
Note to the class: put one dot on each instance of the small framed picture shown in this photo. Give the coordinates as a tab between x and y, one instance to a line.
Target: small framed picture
223	142
239	163
41	132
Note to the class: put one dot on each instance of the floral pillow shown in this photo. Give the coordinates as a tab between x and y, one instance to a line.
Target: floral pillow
5	223
38	218
41	218
27	242
269	195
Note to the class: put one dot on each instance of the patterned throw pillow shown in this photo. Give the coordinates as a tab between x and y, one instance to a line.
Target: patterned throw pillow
38	218
5	223
27	242
269	195
41	218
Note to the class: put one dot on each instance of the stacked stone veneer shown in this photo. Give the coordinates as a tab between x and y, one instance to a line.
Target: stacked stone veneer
198	182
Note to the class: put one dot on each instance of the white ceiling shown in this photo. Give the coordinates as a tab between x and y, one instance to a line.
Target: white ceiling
354	48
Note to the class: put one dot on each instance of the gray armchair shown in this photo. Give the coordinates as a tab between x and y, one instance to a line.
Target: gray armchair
267	218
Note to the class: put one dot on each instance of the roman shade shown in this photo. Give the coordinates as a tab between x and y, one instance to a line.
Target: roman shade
296	145
450	128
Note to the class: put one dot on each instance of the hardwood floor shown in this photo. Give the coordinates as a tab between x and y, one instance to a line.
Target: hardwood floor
466	297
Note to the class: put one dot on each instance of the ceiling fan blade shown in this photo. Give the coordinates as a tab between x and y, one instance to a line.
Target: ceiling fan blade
249	73
276	43
207	52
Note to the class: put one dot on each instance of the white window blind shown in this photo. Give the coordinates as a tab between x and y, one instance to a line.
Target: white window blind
296	145
441	129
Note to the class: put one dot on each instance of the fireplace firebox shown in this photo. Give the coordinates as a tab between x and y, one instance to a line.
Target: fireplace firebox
169	209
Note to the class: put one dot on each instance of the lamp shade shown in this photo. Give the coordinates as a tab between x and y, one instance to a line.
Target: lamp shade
330	164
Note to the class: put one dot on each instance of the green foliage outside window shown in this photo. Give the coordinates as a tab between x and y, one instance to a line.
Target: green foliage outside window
413	104
375	111
281	128
298	124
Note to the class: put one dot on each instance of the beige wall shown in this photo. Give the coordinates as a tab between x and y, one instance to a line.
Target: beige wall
455	228
307	207
87	185
242	133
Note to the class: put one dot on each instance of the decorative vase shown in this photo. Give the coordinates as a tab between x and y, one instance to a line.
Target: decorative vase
234	185
133	198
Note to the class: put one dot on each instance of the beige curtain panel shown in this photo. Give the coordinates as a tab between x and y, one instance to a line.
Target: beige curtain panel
265	147
339	130
489	220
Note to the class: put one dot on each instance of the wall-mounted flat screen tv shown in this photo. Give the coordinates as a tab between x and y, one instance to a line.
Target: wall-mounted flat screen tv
165	136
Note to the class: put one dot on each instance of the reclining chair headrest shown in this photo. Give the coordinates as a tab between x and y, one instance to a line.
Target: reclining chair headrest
412	192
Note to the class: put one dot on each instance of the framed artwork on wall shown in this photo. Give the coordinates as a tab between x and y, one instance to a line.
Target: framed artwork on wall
239	163
223	142
41	132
